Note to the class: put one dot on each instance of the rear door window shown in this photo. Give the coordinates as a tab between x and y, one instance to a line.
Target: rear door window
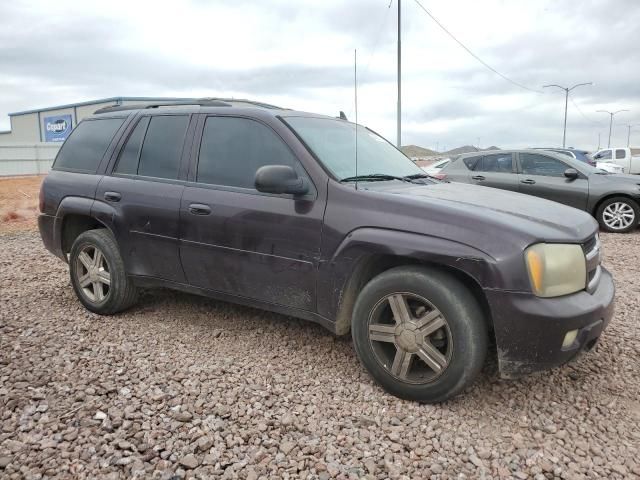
620	153
162	146
500	163
128	160
87	144
534	164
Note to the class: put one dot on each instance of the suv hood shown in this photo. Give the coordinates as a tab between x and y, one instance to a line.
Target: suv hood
541	219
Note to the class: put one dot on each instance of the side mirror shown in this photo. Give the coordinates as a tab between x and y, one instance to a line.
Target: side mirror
280	179
571	173
597	156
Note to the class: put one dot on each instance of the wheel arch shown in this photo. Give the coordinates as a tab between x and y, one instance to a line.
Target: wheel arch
600	201
468	265
73	217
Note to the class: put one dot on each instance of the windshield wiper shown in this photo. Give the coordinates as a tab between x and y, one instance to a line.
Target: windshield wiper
416	176
373	177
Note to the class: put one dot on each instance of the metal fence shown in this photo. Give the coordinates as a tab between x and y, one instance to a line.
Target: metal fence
31	159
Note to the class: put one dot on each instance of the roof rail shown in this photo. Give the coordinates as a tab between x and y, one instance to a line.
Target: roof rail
203	102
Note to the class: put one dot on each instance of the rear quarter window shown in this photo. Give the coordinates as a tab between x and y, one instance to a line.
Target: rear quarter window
471	162
87	144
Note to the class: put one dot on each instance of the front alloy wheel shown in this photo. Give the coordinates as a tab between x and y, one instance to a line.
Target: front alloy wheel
420	333
410	338
618	215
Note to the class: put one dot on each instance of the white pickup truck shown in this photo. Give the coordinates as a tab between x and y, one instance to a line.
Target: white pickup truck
622	156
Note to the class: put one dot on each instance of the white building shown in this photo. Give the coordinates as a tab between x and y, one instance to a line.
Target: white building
35	136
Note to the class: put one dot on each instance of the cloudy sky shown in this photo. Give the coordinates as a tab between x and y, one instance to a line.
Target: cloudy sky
299	54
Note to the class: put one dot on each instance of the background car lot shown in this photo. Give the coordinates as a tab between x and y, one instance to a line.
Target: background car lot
186	385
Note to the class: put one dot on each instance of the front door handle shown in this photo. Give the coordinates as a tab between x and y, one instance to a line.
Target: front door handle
112	196
477	177
528	181
199	209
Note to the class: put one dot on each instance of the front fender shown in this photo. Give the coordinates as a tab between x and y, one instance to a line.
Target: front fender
336	274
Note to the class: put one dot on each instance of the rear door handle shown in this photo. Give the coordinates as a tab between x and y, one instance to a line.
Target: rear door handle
528	181
112	196
477	177
199	209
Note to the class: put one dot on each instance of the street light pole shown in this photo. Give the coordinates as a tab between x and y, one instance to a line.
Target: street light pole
566	103
611	114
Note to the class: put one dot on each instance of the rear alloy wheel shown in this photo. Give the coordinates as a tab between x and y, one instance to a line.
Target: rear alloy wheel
93	274
619	215
420	333
98	275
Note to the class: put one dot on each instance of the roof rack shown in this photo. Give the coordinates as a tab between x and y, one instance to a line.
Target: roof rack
203	102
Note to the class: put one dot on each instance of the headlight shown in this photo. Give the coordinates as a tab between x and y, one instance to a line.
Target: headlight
556	269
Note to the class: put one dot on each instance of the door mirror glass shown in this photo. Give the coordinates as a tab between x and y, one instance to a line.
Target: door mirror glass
280	179
571	173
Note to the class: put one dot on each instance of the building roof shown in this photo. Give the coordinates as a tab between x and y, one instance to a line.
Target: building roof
117	100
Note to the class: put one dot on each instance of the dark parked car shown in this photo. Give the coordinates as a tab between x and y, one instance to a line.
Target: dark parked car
263	207
611	199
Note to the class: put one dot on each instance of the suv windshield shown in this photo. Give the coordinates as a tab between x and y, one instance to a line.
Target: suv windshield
334	143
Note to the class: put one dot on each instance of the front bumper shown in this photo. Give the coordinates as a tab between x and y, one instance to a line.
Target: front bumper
530	330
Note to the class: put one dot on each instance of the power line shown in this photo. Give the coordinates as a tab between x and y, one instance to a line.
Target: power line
583	114
473	54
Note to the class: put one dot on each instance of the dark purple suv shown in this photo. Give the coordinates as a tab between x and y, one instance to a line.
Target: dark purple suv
262	206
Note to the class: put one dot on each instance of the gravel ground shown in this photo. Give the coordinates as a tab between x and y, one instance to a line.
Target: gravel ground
182	386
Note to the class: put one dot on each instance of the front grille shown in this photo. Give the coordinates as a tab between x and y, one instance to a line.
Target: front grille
592	255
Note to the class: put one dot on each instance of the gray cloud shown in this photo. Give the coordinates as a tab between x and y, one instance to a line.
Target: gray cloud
47	59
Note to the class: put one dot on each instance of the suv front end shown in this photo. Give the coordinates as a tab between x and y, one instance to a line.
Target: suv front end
571	303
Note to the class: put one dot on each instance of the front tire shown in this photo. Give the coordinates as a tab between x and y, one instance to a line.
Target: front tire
618	215
420	333
98	275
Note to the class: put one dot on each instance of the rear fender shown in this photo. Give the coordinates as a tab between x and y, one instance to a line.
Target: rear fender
76	206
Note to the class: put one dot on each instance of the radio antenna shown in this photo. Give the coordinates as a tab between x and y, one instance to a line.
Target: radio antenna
355	94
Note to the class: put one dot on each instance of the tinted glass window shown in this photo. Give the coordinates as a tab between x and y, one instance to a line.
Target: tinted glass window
604	155
232	149
87	144
564	152
162	147
128	160
582	156
619	153
471	162
496	163
334	143
533	164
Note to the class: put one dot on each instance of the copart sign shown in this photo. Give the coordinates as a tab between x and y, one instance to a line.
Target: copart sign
57	128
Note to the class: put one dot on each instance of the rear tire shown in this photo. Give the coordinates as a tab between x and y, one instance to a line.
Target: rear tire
618	215
437	348
98	275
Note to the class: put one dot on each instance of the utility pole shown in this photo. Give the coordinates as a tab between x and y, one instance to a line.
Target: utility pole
399	113
478	143
611	114
566	102
598	140
629	134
